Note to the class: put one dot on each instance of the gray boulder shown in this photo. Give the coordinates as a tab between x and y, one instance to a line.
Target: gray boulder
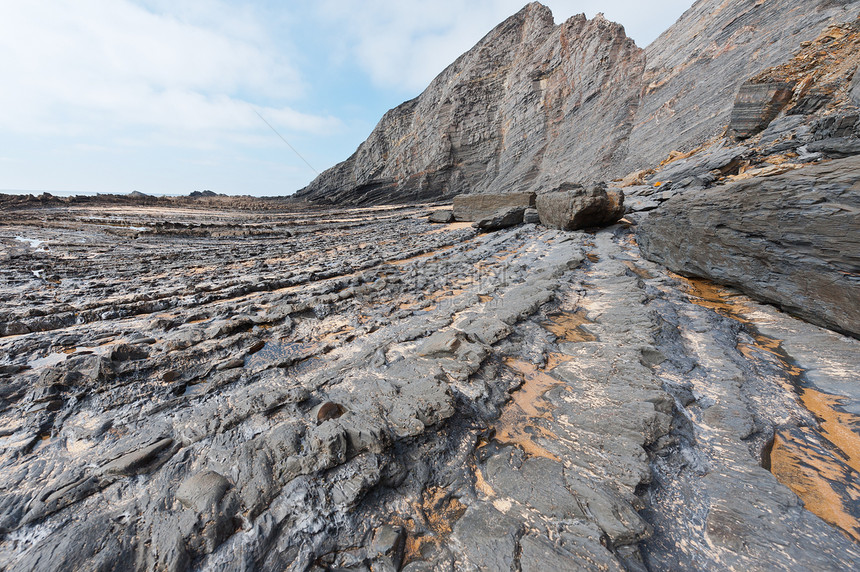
503	218
572	207
756	105
442	217
836	147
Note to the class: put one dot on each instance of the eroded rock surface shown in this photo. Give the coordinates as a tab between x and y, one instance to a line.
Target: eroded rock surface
791	239
365	389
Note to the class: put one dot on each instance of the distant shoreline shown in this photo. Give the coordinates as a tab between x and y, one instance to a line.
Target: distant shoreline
37	192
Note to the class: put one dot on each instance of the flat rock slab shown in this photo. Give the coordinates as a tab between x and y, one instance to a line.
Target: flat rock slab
791	239
471	208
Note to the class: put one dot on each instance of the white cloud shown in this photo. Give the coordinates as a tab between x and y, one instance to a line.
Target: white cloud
88	66
404	45
159	95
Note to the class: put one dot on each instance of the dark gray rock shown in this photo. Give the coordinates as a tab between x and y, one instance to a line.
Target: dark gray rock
128	352
531	216
488	538
387	548
792	240
720	158
855	89
573	207
836	147
441	217
471	208
503	218
640	204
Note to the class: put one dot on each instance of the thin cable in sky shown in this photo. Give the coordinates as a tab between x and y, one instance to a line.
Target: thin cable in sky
287	142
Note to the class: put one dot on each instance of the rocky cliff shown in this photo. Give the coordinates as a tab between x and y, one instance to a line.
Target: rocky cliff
533	104
695	68
507	115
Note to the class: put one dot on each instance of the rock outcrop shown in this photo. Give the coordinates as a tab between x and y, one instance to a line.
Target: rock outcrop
531	105
792	240
572	207
361	389
695	68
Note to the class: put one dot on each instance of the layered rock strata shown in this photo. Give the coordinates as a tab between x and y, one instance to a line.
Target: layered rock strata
531	105
379	392
696	68
790	239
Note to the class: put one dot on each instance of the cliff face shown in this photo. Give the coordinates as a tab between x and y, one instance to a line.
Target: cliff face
695	68
533	104
507	115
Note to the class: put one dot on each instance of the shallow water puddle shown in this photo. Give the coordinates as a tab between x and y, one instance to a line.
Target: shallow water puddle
555	359
640	272
516	425
437	511
828	486
568	326
820	464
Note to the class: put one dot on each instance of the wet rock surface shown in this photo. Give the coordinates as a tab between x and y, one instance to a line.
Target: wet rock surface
363	389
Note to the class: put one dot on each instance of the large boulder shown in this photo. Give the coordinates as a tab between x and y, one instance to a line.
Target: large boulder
503	218
573	207
756	105
472	208
792	240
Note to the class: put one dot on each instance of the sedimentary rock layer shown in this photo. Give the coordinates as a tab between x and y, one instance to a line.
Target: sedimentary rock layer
366	390
695	68
534	105
791	239
531	105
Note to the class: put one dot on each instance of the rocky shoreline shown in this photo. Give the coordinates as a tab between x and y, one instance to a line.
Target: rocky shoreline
543	373
433	398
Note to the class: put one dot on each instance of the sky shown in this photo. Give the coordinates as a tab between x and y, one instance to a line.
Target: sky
166	96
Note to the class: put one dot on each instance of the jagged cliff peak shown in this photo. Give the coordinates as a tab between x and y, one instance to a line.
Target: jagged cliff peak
504	115
535	104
